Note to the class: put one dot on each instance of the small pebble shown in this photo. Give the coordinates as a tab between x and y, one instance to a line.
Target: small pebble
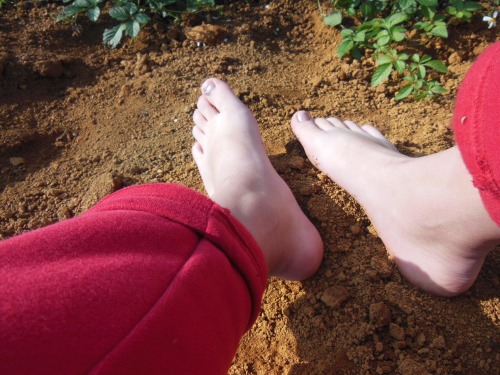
16	161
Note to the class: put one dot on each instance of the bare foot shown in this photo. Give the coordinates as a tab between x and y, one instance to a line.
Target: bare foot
238	175
425	210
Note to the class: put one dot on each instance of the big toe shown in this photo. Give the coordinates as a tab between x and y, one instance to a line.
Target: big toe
305	129
220	95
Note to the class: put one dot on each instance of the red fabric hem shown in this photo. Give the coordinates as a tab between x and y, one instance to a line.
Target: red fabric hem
194	210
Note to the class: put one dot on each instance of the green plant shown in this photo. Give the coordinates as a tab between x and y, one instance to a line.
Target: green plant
416	82
384	26
462	10
131	14
386	63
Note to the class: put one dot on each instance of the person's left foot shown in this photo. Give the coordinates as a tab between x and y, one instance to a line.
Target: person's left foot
238	175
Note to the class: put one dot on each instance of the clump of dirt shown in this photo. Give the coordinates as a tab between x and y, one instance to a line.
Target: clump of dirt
79	121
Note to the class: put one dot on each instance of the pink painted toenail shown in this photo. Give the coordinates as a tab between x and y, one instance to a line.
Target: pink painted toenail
207	87
303	116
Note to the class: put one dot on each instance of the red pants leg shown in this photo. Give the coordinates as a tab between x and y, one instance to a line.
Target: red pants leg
476	122
155	279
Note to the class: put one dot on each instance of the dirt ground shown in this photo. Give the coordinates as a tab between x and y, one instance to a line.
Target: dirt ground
79	121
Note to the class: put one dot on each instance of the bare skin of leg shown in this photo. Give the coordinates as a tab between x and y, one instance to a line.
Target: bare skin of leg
238	175
426	210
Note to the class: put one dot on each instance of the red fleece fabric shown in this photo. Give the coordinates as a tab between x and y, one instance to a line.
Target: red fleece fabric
476	123
154	279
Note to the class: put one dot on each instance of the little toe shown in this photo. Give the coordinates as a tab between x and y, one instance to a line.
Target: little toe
205	108
373	131
220	95
338	123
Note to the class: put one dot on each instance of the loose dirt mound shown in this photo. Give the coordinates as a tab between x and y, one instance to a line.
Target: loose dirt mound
79	121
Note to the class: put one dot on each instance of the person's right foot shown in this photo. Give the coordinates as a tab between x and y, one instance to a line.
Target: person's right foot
238	175
426	210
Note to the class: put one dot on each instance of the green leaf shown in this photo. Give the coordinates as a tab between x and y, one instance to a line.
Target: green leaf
384	59
68	12
132	28
396	18
428	3
437	65
351	11
403	56
196	3
404	92
380	74
421	71
406	4
419	25
344	47
399	66
383	38
440	31
356	53
367	10
438	89
415	57
131	8
427	12
93	13
112	37
360	37
411	78
333	19
142	18
82	3
119	13
346	33
471	6
425	58
452	10
398	33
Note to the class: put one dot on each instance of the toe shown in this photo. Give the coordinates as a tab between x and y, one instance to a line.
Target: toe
324	124
304	127
198	135
351	125
336	122
220	95
374	132
205	108
199	120
197	152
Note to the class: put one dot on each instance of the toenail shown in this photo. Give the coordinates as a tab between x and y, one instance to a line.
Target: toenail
303	116
207	87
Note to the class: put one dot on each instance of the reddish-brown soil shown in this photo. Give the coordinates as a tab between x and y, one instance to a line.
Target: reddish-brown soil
87	120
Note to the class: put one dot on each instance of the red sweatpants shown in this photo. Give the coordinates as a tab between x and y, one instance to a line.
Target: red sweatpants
476	123
155	279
